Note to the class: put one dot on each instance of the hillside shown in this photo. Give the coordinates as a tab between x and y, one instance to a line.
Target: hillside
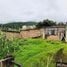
15	25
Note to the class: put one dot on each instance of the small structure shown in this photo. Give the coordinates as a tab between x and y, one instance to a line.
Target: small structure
55	31
28	27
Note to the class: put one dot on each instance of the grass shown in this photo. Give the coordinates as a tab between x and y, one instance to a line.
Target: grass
38	52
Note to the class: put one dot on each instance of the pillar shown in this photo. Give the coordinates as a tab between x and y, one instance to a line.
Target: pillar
43	33
66	33
9	61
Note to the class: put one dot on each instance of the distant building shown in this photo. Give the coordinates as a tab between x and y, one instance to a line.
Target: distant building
24	27
28	27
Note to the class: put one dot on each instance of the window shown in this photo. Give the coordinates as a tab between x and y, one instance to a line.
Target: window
50	31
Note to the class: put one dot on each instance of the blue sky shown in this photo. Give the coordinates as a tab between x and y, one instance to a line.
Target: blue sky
33	10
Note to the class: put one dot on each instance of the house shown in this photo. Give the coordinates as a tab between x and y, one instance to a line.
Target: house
54	32
25	27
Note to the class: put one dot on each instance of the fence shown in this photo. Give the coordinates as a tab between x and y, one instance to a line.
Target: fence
61	64
8	62
59	58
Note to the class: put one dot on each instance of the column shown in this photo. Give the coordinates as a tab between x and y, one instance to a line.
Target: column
66	33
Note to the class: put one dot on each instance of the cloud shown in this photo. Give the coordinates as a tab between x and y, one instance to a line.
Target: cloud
32	10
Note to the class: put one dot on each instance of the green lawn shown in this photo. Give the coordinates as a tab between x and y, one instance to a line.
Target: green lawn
38	52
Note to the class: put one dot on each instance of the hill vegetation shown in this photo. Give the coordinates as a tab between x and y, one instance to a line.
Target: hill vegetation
15	25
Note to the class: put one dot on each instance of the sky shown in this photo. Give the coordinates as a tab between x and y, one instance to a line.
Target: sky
33	10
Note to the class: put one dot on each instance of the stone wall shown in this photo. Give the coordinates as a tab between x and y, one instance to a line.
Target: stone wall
33	33
53	37
12	35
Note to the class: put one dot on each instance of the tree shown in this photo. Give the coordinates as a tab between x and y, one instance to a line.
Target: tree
7	46
46	23
61	24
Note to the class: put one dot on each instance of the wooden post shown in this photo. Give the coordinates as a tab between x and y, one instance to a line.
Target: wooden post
9	61
43	33
3	62
66	33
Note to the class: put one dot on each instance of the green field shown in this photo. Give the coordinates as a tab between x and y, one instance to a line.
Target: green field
32	52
